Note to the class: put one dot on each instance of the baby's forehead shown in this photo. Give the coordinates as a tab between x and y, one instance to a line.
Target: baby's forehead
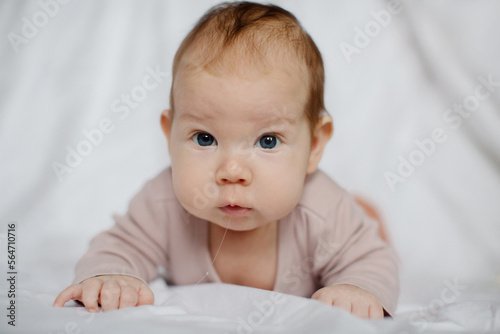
278	80
271	95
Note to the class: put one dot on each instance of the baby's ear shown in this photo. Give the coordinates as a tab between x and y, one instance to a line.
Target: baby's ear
322	134
166	123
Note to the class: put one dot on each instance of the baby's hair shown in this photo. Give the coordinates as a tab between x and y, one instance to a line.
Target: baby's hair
236	37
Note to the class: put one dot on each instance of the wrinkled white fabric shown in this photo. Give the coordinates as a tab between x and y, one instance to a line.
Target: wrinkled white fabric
68	74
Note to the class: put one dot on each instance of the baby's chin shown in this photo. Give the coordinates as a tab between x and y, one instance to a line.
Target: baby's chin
237	224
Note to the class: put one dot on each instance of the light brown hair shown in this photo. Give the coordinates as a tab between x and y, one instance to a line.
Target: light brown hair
235	36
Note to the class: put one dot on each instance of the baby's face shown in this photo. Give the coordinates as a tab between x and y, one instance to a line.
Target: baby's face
239	147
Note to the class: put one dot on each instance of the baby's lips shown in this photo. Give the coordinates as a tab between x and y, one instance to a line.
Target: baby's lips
235	210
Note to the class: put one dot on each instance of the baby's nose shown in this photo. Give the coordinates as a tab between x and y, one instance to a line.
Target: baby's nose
233	171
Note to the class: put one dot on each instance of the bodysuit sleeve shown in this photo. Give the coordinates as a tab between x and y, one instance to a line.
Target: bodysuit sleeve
136	245
353	253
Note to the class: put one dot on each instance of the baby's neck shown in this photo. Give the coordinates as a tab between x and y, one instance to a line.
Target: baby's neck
243	241
248	258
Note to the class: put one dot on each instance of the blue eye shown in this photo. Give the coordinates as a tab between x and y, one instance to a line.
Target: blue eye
204	139
268	142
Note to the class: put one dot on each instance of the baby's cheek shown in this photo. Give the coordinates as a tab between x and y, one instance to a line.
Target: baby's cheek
189	188
284	192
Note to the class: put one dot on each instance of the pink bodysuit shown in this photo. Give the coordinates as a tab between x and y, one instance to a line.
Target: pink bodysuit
327	239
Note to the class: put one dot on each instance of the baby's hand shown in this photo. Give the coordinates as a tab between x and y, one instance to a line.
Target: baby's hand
110	291
352	299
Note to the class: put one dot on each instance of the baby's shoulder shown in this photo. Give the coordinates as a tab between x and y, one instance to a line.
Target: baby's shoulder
322	195
160	187
157	204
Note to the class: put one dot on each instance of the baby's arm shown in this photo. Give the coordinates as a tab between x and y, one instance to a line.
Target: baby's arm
351	298
361	276
122	259
110	291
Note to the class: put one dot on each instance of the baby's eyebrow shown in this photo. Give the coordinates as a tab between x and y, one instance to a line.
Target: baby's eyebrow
192	116
275	121
271	120
280	121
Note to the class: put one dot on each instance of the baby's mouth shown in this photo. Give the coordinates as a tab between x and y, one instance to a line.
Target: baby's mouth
235	210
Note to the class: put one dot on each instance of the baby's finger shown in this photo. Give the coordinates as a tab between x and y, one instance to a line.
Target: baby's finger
376	312
90	294
129	297
146	296
360	310
325	298
110	295
73	291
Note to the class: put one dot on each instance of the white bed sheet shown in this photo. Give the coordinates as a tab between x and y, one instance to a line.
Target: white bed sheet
65	77
225	308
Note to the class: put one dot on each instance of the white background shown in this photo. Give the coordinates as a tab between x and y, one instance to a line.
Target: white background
443	220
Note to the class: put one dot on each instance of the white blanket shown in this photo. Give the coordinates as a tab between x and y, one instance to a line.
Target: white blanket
225	308
414	91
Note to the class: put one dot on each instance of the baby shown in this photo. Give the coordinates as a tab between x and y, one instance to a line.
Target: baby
243	201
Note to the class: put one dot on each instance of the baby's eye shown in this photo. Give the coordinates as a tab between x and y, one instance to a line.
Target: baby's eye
268	142
204	139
